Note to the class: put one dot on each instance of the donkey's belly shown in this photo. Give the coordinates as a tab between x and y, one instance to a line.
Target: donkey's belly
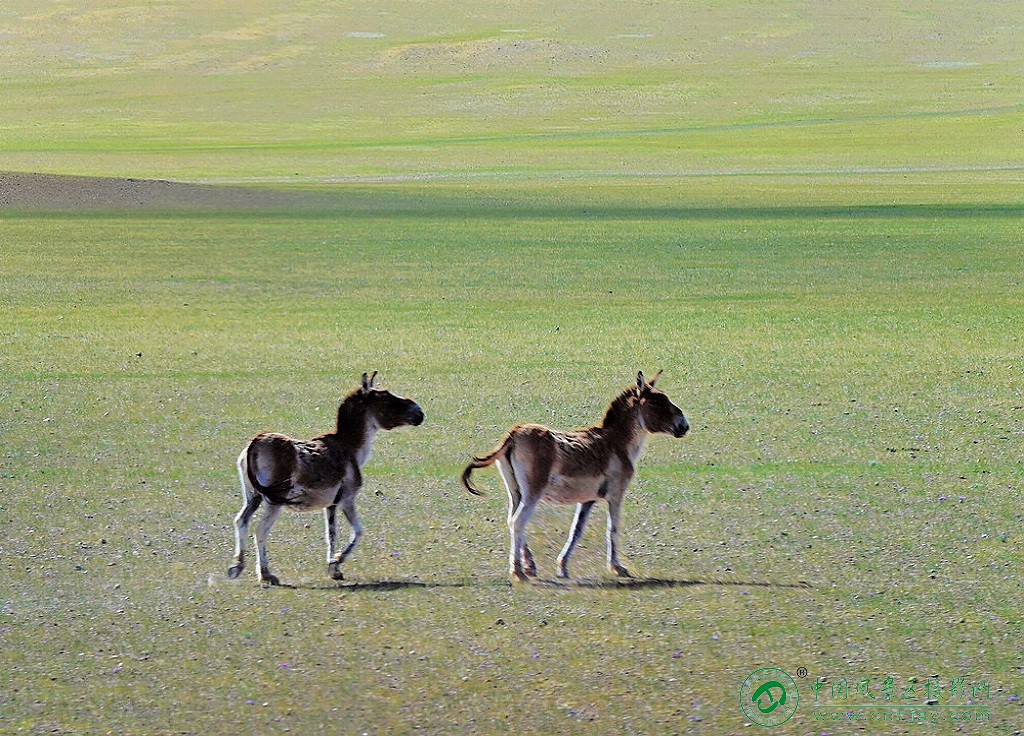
573	489
313	499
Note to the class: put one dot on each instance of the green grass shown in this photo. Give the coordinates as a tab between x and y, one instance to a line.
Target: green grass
811	219
852	378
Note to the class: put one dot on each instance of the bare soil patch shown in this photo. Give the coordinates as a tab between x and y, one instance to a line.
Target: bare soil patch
52	192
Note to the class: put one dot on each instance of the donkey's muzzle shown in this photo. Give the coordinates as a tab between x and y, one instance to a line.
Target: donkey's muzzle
681	427
415	415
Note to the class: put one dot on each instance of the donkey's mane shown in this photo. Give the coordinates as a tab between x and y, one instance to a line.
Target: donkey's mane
351	427
620	408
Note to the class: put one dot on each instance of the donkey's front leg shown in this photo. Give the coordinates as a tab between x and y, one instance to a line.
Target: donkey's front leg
331	533
614	514
348	507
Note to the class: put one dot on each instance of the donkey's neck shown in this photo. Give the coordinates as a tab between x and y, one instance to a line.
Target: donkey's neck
356	431
635	449
366	449
623	425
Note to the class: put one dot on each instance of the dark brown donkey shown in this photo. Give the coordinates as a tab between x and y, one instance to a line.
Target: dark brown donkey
321	473
580	467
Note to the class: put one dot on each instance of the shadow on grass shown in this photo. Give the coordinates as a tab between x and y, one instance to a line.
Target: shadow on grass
386	586
389	585
405	205
29	195
657	583
372	586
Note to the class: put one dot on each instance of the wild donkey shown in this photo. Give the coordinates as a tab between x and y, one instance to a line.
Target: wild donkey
578	467
321	473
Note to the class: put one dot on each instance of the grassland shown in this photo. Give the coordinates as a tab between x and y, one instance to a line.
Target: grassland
826	265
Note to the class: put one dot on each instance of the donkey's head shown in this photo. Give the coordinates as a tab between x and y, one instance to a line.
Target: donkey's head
388	410
657	412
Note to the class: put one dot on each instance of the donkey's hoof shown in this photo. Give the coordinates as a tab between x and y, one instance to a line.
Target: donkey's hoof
519	575
334	571
620	571
562	573
268	579
235	570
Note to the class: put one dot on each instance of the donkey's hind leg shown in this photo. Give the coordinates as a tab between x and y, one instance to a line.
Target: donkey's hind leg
528	565
578	522
242	519
270	515
517	530
252	502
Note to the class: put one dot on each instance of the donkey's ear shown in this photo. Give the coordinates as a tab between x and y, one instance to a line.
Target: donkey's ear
373	380
655	379
641	383
367	381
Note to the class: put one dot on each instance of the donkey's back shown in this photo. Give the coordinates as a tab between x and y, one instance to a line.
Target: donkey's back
305	474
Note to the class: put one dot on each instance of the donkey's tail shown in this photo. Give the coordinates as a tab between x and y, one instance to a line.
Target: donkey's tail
483	462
